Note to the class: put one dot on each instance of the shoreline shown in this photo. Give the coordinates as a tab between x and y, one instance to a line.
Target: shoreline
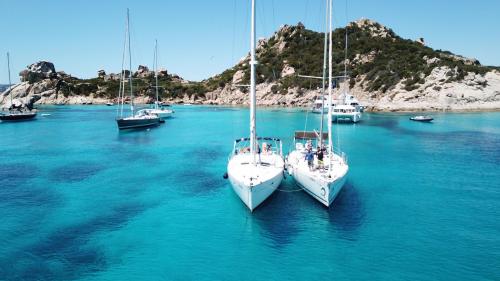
368	110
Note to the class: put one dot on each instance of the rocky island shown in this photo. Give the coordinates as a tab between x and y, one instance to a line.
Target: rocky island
386	73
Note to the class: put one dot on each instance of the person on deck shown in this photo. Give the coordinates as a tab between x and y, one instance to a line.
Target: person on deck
320	155
310	159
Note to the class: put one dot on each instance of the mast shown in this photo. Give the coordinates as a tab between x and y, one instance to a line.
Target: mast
324	79
10	83
253	141
345	54
121	90
155	66
330	144
345	61
130	66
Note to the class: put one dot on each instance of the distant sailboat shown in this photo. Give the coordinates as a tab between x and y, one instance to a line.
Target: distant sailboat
13	114
346	107
255	173
158	109
318	169
140	119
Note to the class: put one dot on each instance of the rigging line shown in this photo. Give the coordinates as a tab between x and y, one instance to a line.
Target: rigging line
289	190
130	67
233	43
10	83
234	33
274	17
121	97
306	10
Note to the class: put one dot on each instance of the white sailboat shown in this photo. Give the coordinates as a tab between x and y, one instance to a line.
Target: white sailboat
158	109
255	172
321	178
20	113
139	119
346	107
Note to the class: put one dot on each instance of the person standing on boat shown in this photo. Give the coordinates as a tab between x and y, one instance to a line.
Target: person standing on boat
310	159
319	155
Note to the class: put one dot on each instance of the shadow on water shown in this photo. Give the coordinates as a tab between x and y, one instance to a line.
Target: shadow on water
136	136
213	154
196	181
348	213
65	253
13	175
278	216
76	171
123	153
16	192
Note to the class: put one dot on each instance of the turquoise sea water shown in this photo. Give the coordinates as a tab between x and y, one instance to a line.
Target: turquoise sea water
80	200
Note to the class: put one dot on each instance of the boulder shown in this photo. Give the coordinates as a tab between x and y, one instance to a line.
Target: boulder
287	71
38	71
162	72
101	73
143	72
238	76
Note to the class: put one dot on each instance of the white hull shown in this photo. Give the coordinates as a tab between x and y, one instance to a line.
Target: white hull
254	183
162	113
354	117
323	185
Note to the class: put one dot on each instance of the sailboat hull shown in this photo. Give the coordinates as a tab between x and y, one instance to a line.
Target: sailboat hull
254	183
162	113
349	117
124	123
323	186
12	117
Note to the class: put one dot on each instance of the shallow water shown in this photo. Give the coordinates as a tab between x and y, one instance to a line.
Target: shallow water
80	200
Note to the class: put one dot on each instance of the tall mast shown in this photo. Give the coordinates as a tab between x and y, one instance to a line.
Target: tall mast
155	66
345	54
10	84
130	66
252	85
325	54
330	143
121	91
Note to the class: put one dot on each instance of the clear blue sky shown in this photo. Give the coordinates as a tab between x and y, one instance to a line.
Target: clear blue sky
198	39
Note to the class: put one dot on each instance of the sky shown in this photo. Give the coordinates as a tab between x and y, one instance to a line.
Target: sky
199	38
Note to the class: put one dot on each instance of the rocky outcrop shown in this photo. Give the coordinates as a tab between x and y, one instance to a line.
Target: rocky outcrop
143	72
375	28
38	71
101	73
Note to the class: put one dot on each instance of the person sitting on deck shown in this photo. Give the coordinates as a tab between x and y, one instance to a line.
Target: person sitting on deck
309	145
310	159
265	148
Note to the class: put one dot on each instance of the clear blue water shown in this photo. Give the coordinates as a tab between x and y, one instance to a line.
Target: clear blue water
80	200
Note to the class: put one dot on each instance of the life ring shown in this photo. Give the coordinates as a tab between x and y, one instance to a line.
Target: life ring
323	192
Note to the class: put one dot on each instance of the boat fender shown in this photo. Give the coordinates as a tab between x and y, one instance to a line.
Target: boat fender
323	191
225	176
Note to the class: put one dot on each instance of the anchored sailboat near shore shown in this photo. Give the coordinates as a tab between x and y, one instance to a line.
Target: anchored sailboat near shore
158	109
346	107
141	118
318	169
255	172
13	113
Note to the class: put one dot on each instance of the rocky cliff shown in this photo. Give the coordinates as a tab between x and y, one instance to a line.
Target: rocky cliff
386	73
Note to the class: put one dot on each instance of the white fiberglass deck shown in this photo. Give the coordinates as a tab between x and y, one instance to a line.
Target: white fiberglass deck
323	184
254	183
